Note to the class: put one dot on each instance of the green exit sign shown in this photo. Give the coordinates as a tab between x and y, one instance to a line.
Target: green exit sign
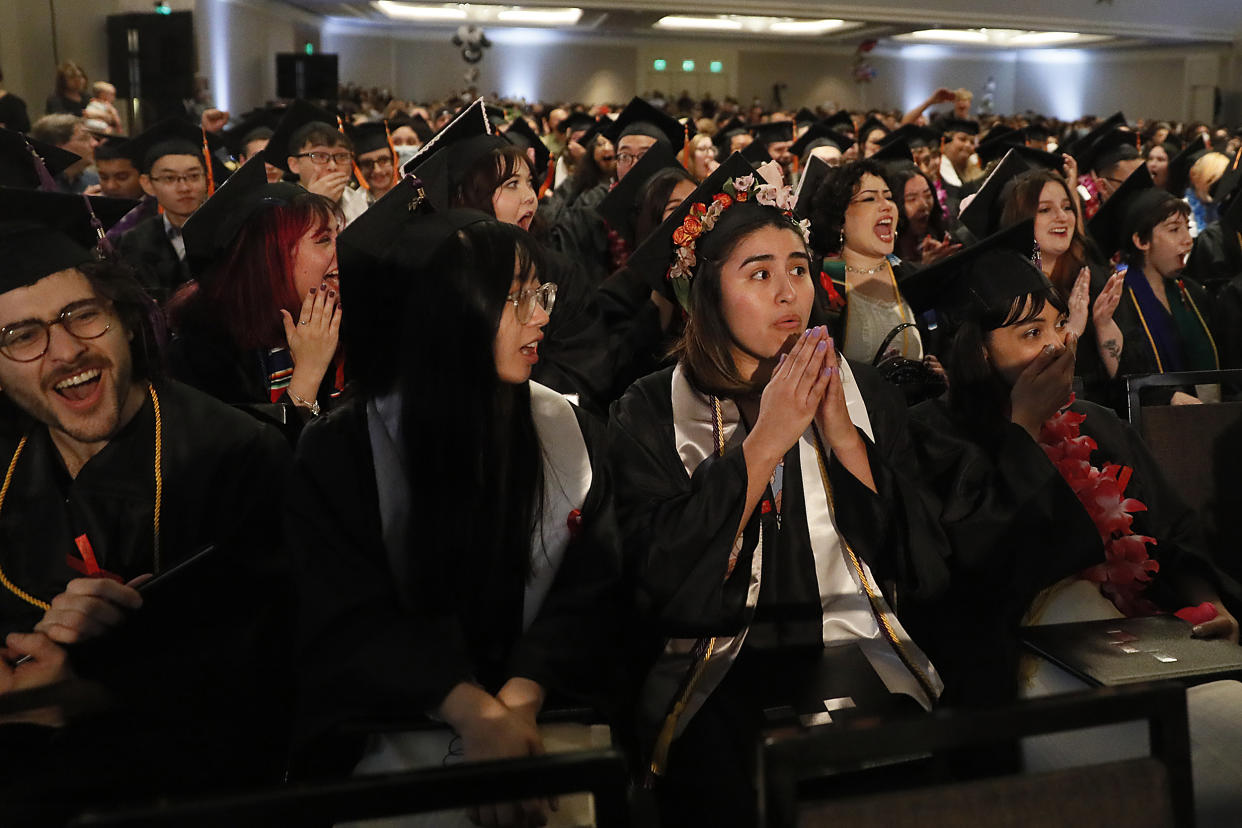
716	66
310	48
659	64
687	66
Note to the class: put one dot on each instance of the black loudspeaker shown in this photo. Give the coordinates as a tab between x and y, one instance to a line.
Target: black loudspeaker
151	60
313	77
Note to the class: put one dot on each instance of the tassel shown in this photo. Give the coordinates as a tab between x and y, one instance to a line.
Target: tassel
396	173
548	179
685	147
101	244
46	184
211	179
362	182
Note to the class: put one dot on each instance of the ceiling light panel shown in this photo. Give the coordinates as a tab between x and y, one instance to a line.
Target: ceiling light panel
752	24
482	13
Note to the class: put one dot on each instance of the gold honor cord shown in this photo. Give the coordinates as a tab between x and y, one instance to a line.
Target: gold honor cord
159	497
1203	324
1150	341
664	741
876	607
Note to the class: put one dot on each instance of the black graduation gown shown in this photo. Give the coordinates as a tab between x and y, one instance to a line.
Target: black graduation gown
575	357
580	233
365	657
148	251
679	532
1015	527
1216	258
199	672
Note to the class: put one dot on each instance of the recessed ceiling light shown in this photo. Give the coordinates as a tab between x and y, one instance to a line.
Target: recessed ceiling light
1000	38
548	17
951	35
1043	38
807	27
411	11
722	24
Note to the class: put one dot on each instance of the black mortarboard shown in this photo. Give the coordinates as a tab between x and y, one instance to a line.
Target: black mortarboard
868	126
819	135
620	207
641	118
986	276
416	122
17	165
169	131
951	124
114	147
1107	227
652	259
1231	199
43	233
495	115
522	136
1180	164
915	136
577	122
893	152
443	161
982	215
756	152
813	174
368	137
594	131
723	138
1000	139
211	229
400	228
840	121
299	114
1081	145
773	132
1035	132
235	136
1115	145
805	116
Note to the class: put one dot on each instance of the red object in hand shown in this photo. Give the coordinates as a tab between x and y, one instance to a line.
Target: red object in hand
1195	616
574	522
88	566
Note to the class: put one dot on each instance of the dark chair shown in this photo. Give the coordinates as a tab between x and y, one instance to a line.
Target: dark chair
1199	449
1149	791
601	773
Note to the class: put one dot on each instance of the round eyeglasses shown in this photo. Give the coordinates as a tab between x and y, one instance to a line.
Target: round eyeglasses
524	301
28	340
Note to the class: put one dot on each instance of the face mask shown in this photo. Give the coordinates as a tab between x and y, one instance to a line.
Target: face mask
404	154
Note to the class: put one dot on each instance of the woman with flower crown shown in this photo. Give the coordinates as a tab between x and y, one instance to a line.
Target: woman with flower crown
1054	509
771	534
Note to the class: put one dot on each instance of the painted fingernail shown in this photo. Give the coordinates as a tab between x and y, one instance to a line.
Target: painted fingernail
807	334
781	361
821	347
312	291
331	294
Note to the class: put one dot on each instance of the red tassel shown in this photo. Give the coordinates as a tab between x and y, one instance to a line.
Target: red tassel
211	179
396	173
548	179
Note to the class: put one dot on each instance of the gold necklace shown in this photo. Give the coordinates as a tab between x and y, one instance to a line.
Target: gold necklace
159	497
867	271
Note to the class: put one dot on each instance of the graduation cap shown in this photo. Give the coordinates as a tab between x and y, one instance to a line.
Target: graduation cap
379	255
641	118
813	175
965	125
1035	132
1115	145
805	116
723	139
368	137
840	121
773	132
1000	139
211	229
115	147
653	257
415	122
299	114
171	131
522	136
756	152
593	132
982	215
870	125
1231	198
819	135
986	276
1180	164
442	162
1081	145
577	122
235	136
893	152
17	165
620	207
45	232
915	136
1107	227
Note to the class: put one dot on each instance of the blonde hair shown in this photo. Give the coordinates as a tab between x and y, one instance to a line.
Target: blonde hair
1206	172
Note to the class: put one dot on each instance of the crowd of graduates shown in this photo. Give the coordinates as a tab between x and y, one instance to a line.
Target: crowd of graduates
354	436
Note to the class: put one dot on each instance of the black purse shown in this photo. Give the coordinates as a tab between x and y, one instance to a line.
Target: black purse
916	381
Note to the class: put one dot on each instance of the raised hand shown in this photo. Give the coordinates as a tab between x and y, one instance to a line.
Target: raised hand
1044	386
330	185
313	339
792	396
1080	303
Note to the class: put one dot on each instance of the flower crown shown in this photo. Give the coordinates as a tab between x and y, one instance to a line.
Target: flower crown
702	218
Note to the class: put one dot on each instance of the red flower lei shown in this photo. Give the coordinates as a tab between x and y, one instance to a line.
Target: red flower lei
1127	568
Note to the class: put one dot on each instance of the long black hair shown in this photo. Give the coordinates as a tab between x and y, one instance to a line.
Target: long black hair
977	394
832	199
472	456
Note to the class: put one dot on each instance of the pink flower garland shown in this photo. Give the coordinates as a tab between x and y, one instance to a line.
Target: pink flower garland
1127	568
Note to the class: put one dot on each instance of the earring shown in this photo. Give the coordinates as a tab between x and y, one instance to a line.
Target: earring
842	239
